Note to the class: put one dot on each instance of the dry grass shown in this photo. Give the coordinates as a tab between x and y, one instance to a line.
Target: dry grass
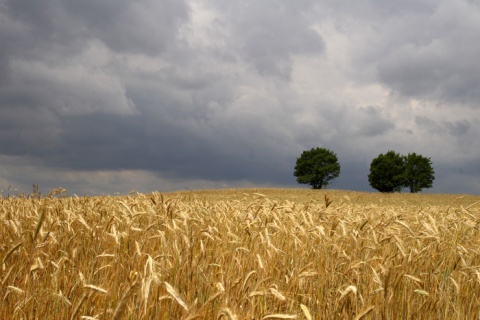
241	254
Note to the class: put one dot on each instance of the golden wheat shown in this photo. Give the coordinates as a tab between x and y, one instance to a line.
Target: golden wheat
240	254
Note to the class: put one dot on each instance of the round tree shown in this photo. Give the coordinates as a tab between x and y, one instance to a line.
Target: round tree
317	167
387	172
419	172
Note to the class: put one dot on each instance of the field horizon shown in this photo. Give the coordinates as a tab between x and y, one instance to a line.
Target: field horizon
363	196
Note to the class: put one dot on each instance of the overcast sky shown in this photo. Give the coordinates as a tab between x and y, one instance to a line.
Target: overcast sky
106	96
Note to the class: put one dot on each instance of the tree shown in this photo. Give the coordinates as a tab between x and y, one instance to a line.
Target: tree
317	167
387	172
419	172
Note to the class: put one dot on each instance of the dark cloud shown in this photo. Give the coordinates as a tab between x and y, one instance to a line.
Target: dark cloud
143	26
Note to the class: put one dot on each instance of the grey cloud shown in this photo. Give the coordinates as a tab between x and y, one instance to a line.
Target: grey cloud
98	142
38	31
37	99
35	22
268	33
428	124
437	62
123	87
460	177
143	26
427	76
378	8
354	173
47	40
456	128
28	131
186	79
68	89
165	135
423	50
370	122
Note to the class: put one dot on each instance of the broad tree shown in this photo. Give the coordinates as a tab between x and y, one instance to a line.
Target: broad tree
419	173
317	167
392	171
387	172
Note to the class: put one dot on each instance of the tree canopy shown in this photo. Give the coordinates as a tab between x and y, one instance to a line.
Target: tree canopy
317	167
392	171
419	172
387	172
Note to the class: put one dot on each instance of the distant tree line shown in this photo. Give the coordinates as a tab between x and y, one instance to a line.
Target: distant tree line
389	172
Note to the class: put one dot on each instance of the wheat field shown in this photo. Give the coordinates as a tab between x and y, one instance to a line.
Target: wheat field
240	254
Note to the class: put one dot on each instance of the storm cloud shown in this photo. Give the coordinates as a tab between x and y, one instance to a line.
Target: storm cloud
108	96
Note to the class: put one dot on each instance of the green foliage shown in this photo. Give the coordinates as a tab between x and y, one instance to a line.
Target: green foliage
317	167
419	172
391	171
387	172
